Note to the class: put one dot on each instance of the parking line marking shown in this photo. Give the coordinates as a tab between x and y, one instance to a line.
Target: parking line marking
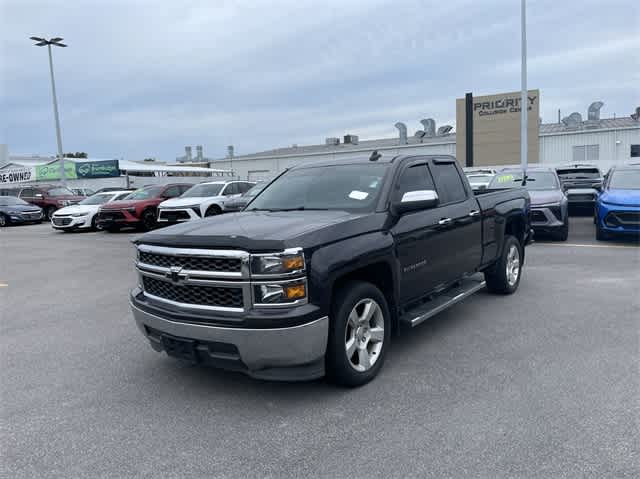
589	245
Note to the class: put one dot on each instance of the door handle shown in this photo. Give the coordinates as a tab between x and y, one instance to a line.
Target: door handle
445	221
474	213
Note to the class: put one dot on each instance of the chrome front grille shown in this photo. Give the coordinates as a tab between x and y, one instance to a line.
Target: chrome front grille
198	263
197	279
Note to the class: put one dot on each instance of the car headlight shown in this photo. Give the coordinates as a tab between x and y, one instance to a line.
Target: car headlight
289	261
76	215
547	205
280	293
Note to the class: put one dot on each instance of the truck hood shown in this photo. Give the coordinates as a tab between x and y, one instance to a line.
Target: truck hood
192	200
122	204
621	197
259	231
70	210
543	197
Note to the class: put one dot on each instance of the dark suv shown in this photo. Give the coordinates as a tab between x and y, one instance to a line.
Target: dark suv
47	197
581	184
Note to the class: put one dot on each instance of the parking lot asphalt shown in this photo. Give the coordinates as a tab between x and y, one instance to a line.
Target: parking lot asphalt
543	383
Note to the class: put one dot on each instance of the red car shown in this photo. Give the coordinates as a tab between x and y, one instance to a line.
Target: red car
47	197
139	209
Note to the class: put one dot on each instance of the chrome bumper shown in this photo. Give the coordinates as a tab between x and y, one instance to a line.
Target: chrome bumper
259	349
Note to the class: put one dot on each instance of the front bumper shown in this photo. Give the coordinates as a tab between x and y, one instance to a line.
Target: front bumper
70	222
109	218
619	219
176	215
544	220
288	353
16	218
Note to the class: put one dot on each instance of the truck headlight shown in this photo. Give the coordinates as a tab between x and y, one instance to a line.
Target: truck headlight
278	263
280	293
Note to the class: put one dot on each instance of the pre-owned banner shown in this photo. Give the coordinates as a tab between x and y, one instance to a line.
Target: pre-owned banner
97	169
17	175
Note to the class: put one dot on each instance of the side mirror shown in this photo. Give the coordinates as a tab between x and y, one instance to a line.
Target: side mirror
416	200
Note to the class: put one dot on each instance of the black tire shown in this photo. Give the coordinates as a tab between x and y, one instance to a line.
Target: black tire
4	220
356	295
496	277
148	220
602	235
50	211
112	229
213	210
94	223
563	233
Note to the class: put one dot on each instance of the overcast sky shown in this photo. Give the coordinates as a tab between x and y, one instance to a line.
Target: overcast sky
145	78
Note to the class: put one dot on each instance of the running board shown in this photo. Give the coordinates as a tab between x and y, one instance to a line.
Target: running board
444	300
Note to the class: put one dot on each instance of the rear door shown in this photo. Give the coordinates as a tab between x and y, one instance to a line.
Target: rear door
461	219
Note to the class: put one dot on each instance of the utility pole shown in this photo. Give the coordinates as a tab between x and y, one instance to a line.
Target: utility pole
54	41
524	102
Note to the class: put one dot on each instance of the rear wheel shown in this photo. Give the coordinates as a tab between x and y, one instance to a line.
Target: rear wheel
359	334
504	276
4	221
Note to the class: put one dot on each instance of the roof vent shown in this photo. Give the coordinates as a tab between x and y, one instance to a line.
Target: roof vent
636	115
594	110
444	130
573	121
419	135
351	139
402	129
332	141
429	127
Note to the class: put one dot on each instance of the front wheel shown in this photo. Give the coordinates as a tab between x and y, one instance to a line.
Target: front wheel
50	211
359	334
213	211
148	220
601	235
504	276
563	233
4	221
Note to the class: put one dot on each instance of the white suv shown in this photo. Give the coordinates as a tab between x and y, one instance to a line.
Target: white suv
203	199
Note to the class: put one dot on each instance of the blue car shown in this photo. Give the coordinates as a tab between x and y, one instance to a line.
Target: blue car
618	205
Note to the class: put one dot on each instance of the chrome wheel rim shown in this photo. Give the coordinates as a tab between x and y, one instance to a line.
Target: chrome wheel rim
364	335
513	265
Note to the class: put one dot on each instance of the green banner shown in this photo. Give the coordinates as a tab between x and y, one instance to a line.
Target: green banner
97	169
52	171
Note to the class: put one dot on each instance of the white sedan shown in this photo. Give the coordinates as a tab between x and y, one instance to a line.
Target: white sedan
83	214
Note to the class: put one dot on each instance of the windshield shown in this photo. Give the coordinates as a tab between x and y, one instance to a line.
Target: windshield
145	193
339	187
203	190
536	180
254	190
625	180
578	173
60	192
11	201
96	199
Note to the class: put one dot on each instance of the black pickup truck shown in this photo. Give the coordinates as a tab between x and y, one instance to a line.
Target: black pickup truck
325	265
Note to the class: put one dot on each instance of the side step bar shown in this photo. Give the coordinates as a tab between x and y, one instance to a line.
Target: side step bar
444	300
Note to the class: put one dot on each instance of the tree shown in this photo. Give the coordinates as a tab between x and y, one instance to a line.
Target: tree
77	154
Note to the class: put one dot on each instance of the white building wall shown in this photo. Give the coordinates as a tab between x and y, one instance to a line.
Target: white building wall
614	146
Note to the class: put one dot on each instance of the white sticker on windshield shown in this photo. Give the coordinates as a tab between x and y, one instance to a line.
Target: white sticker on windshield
358	195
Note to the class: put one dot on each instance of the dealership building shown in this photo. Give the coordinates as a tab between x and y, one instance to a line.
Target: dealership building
496	140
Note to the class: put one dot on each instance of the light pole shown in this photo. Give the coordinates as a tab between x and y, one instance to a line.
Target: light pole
41	42
524	102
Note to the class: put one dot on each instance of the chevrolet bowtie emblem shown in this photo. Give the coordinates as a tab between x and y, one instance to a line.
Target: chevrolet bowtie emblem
174	274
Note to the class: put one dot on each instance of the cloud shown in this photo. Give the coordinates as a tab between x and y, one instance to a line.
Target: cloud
144	78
